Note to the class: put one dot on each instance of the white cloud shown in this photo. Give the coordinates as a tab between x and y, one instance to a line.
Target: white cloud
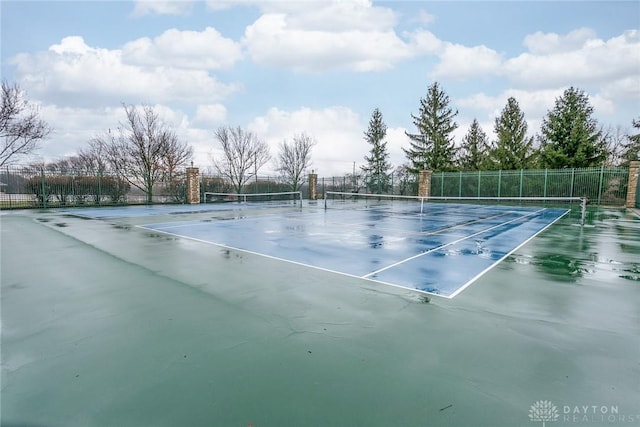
535	104
207	50
73	73
322	36
593	61
485	108
162	7
216	5
337	130
74	128
424	42
622	89
320	15
532	103
423	17
341	16
547	43
460	62
210	114
396	141
601	104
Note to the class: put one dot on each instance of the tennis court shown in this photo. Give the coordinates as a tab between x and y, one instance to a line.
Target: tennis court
235	314
441	250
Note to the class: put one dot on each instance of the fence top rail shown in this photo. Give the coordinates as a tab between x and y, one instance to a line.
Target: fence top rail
281	193
523	198
346	193
517	198
595	169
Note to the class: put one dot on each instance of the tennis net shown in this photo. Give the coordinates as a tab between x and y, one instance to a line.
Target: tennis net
426	204
280	198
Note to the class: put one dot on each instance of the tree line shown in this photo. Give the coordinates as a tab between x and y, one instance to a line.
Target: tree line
569	137
143	151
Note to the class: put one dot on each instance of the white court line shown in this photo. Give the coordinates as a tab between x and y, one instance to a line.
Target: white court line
341	273
327	270
444	245
477	276
222	245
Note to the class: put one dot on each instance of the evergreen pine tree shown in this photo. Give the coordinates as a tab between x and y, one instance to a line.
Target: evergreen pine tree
432	147
474	150
570	136
376	170
513	149
632	148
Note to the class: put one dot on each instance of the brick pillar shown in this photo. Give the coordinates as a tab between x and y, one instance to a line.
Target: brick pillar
313	186
632	187
424	184
193	185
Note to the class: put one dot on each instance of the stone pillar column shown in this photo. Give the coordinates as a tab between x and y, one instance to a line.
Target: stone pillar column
313	186
193	185
424	184
632	187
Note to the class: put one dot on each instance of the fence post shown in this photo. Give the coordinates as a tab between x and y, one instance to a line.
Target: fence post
521	176
478	183
99	186
545	183
573	174
600	184
73	188
633	193
8	190
499	181
392	188
42	185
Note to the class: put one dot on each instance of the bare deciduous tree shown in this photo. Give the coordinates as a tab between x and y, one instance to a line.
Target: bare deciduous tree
243	154
177	156
143	149
21	129
94	157
294	158
616	142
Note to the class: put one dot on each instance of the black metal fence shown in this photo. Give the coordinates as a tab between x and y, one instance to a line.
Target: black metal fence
601	185
32	187
29	187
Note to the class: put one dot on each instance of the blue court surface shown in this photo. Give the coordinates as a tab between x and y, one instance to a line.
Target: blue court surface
112	212
441	251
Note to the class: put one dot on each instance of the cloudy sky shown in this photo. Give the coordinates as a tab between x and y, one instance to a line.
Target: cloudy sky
281	67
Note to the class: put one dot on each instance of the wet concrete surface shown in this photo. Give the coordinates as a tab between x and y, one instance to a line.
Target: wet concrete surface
438	252
105	323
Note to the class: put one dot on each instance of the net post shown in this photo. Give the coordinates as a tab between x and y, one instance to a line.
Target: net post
42	186
583	210
325	200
